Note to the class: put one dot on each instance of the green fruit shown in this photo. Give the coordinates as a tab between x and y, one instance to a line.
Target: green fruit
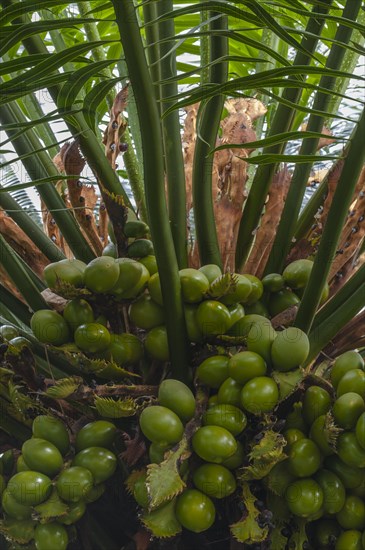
349	450
74	483
297	273
150	263
213	371
66	271
360	430
273	282
135	290
230	392
194	285
352	381
49	327
110	250
258	308
304	458
347	409
42	456
101	462
99	433
352	514
192	327
78	312
246	365
347	361
214	444
140	492
349	540
334	493
101	274
161	425
130	273
257	289
214	480
30	488
95	493
154	288
211	271
156	344
240	291
50	536
213	318
13	508
290	349
227	416
177	397
260	339
135	229
53	430
156	452
125	348
145	313
322	434
195	511
244	325
236	312
75	512
92	337
236	460
292	435
317	401
304	497
140	248
260	395
282	300
21	465
351	477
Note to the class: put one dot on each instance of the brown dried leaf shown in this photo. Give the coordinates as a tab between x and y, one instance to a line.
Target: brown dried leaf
116	127
352	234
270	220
54	300
22	244
83	198
323	142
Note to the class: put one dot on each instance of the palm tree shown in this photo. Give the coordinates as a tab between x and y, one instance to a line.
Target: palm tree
223	112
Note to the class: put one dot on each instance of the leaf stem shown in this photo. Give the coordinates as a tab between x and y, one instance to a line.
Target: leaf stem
154	184
208	120
333	228
309	146
174	164
282	122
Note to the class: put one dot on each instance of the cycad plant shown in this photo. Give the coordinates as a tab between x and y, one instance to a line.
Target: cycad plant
172	316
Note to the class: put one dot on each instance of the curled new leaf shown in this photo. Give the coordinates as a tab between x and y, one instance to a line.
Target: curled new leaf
108	407
163	480
51	508
64	387
264	455
20	532
223	285
162	522
247	529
